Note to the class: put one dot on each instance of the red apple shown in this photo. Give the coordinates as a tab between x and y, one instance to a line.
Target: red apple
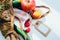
28	5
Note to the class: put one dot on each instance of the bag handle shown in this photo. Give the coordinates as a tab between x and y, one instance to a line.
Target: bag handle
46	13
36	27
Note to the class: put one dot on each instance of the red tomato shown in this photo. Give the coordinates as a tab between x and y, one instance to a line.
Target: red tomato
27	24
28	5
27	30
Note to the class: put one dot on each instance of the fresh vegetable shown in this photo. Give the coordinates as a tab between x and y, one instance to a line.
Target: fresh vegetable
16	4
21	32
14	1
28	5
27	24
27	30
37	14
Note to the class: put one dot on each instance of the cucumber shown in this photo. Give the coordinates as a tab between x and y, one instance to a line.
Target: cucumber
21	32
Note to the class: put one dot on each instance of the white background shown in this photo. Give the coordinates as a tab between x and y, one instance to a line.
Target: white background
52	20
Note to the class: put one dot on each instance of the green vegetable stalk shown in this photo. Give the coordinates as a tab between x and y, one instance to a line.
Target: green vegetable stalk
21	32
